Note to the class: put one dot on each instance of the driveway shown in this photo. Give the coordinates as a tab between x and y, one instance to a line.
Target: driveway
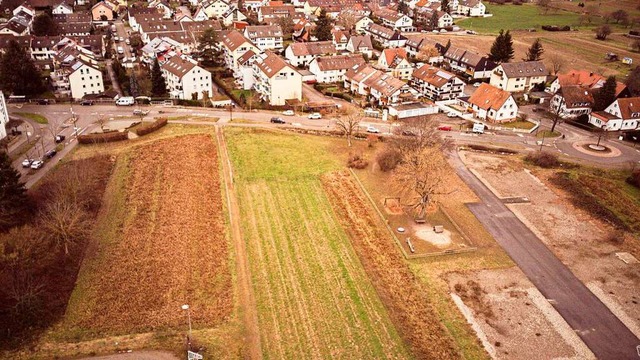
600	330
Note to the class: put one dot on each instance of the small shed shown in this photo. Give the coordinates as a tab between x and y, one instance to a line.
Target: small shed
404	111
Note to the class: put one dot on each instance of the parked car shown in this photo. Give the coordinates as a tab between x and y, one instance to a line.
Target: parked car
127	41
51	153
121	38
288	113
60	138
37	164
140	112
125	101
444	128
27	163
477	84
120	50
372	129
408	133
452	115
277	120
43	102
86	102
315	116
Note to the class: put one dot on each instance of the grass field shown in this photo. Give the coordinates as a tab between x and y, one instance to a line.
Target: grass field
518	17
160	243
527	125
35	117
313	296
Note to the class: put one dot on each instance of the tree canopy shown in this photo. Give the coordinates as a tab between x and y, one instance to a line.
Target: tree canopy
208	48
633	82
502	48
43	25
14	204
18	73
606	95
323	26
534	53
158	85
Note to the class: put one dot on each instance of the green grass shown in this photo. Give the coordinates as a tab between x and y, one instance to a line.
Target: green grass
314	299
35	117
548	134
518	17
519	125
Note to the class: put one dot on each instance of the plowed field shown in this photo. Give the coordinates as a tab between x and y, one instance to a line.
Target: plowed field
314	299
402	292
160	244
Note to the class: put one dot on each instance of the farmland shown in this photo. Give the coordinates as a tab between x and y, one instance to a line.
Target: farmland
160	243
314	299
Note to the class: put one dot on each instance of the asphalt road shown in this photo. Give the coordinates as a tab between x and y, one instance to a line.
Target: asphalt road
601	331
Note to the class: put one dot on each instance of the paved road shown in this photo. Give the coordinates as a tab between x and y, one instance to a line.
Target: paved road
601	331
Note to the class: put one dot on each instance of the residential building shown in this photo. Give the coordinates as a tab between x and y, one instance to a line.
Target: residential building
62	8
395	62
232	15
84	79
585	79
433	18
470	8
301	54
4	117
74	29
387	37
395	20
275	80
572	101
491	103
185	79
244	74
214	8
424	49
519	76
20	22
436	84
266	37
362	24
162	7
381	88
360	44
332	7
330	69
472	65
144	14
266	13
103	11
622	114
340	39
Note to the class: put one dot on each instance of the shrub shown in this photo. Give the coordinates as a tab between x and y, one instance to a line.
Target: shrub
357	162
388	159
145	129
634	178
103	138
543	159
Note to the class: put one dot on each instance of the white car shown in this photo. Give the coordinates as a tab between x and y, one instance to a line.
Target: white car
315	116
371	129
288	113
140	112
477	84
27	163
452	115
37	164
127	41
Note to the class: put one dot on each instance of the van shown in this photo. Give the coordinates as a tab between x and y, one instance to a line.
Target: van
125	101
120	50
478	128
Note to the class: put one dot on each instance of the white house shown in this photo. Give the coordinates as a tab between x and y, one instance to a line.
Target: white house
492	104
622	114
215	8
266	37
362	24
387	37
572	101
395	20
301	53
473	65
62	8
234	45
519	76
185	79
276	81
380	87
244	74
395	62
4	117
340	39
163	8
330	69
436	84
440	20
360	44
233	14
471	8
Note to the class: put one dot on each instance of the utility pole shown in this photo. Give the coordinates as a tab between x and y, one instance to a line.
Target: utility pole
186	307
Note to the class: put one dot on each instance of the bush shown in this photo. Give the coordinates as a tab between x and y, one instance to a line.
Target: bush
357	162
145	129
543	159
634	178
103	138
388	159
556	28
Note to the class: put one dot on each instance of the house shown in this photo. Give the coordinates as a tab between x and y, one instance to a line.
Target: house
275	80
491	103
395	20
436	84
20	22
162	7
136	14
301	54
424	49
185	79
379	87
76	72
519	76
4	117
360	44
244	75
158	47
103	11
433	18
74	29
572	101
85	79
585	79
214	8
387	37
332	7
266	37
232	15
395	61
330	69
622	114
472	65
470	8
361	24
266	13
200	15
77	17
61	9
340	38
235	45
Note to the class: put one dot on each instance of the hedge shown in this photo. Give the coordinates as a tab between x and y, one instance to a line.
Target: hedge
103	137
145	129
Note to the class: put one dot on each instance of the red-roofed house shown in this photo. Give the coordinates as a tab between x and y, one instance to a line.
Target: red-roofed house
328	69
490	103
585	79
395	62
276	81
185	79
622	114
436	84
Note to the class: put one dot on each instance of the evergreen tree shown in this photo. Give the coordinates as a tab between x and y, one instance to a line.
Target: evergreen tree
433	22
14	204
606	95
18	73
444	6
208	48
403	8
535	51
323	26
502	48
43	25
446	47
158	85
134	87
633	82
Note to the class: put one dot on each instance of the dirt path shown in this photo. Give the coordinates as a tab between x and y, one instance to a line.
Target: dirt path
246	296
137	355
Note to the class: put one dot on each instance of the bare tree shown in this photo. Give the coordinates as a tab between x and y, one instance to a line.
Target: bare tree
426	53
102	121
556	62
65	222
602	32
545	6
55	123
348	124
347	19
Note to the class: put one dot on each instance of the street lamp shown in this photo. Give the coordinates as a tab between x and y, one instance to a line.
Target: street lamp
186	307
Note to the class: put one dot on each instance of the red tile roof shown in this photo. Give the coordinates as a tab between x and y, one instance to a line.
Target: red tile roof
489	97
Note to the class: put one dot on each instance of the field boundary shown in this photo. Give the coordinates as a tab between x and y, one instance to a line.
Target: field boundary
404	253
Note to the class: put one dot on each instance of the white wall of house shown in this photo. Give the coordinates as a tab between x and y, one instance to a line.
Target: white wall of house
515	84
559	105
197	80
4	117
84	81
286	84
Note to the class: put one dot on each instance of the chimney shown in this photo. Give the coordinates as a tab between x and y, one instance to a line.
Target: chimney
590	74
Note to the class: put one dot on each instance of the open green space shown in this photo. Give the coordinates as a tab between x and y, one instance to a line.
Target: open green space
40	119
526	125
518	17
313	296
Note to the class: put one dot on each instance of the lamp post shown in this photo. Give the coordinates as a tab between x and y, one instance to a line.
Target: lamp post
186	307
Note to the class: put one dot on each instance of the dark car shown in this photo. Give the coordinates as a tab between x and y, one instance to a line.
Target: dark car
408	133
43	102
277	120
60	138
51	153
86	102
